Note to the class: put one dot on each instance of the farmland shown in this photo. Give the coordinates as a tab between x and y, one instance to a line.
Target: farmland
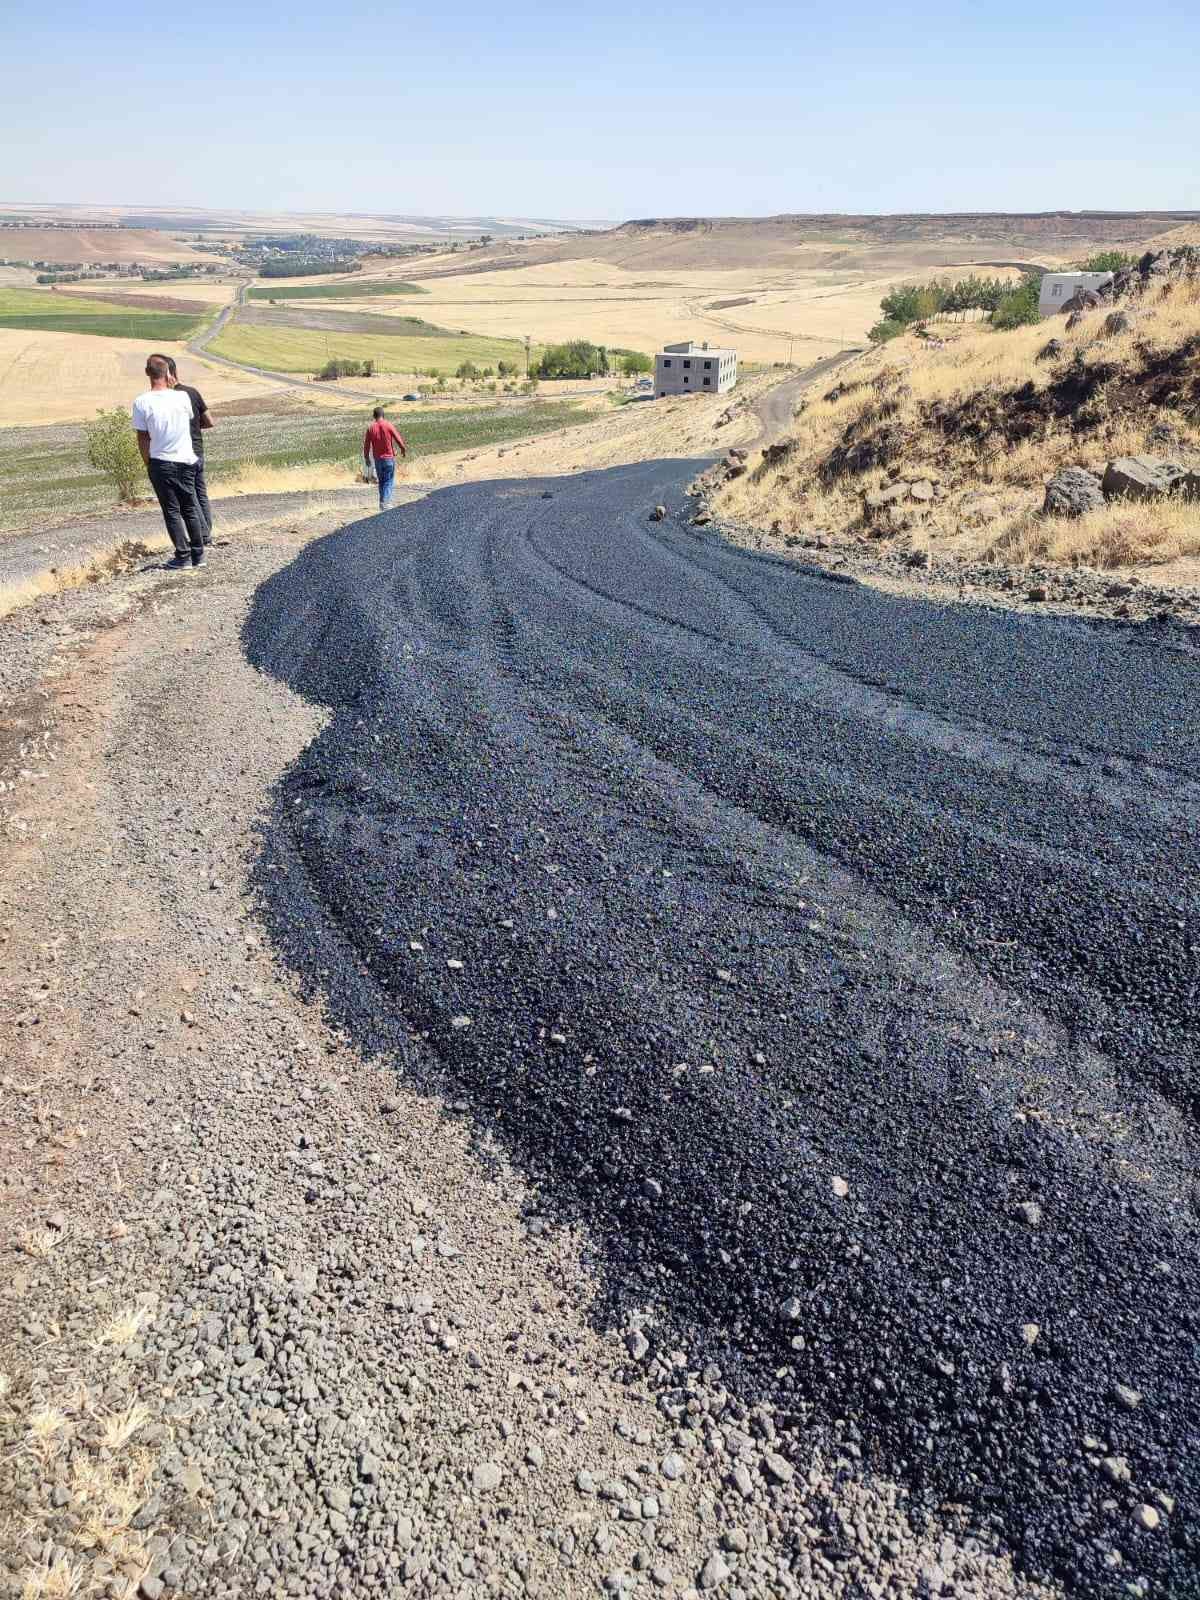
45	477
354	289
54	312
289	349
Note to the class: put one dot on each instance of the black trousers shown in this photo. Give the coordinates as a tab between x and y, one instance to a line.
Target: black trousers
175	485
202	500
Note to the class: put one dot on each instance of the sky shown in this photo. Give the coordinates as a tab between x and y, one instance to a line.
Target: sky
604	111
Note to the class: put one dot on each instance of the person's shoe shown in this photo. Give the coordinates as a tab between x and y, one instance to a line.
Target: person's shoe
200	558
178	563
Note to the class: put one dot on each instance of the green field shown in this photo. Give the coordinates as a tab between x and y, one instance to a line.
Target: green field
43	311
371	290
45	477
306	350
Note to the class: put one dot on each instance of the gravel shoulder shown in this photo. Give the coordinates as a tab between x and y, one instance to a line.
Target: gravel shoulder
276	1316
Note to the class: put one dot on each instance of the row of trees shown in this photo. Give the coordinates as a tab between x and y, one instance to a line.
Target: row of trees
1007	305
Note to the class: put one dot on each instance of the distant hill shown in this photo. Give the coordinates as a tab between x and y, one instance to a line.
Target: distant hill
89	245
902	242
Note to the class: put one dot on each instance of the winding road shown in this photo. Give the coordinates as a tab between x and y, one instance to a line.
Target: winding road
830	959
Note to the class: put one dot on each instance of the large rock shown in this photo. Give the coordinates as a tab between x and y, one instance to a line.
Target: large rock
882	498
1188	487
1072	493
1141	478
1117	322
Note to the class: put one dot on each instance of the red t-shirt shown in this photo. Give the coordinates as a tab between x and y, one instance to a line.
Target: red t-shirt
380	438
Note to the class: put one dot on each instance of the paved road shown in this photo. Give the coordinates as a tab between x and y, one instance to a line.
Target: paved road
830	958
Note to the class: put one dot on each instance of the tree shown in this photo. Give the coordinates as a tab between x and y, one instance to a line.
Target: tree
633	362
577	359
507	369
112	448
467	370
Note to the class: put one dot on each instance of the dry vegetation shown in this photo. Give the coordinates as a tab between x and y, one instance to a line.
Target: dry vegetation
987	422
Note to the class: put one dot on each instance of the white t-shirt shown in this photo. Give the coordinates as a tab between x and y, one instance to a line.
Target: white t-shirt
166	415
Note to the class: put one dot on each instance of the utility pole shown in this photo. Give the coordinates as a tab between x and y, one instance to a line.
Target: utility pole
527	343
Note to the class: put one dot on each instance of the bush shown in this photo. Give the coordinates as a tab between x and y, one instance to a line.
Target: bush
112	448
1108	261
1019	306
633	362
888	329
506	369
467	371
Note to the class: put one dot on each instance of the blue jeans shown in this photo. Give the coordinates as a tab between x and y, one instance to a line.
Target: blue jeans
385	467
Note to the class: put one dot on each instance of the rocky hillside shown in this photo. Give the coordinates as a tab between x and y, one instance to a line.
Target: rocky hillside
1074	440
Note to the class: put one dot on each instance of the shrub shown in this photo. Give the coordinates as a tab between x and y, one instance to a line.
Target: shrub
506	369
888	329
633	362
467	371
112	448
1108	261
1020	305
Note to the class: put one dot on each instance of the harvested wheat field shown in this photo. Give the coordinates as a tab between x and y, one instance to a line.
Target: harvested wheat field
979	420
65	377
95	244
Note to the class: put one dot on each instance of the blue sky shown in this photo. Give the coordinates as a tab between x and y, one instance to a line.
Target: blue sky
609	110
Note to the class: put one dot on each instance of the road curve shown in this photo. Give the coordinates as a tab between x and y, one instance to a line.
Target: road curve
830	958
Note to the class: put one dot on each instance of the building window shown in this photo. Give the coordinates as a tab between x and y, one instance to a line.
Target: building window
687	363
708	366
1057	290
666	361
707	382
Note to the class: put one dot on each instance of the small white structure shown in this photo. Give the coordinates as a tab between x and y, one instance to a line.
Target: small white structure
1058	287
694	369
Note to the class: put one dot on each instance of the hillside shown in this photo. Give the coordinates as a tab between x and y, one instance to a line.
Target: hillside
941	446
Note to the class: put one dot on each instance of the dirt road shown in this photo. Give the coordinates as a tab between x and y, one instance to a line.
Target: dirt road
549	1056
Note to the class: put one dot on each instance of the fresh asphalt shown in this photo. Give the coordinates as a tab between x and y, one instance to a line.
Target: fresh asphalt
757	881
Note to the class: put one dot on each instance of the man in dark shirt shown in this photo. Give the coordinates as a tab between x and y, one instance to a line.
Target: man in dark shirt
201	420
380	441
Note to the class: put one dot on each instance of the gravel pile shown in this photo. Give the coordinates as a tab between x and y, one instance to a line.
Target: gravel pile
829	959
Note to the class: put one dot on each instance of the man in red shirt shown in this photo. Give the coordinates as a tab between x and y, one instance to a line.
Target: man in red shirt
380	441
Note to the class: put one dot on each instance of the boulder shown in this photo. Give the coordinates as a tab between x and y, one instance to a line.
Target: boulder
735	469
1164	436
1117	322
921	490
1072	493
658	513
1051	350
1188	487
1082	300
737	454
881	498
1141	478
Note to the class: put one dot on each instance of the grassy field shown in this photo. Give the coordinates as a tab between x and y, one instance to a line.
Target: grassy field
306	350
45	478
44	311
372	288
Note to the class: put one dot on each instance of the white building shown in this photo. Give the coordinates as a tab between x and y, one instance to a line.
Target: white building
1058	287
694	368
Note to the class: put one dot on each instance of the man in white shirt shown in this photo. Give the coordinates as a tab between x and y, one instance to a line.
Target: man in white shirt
163	420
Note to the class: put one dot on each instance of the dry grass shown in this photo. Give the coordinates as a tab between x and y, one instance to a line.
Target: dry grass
992	423
105	565
1119	536
256	477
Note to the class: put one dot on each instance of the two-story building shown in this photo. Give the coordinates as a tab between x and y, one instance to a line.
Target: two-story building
694	369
